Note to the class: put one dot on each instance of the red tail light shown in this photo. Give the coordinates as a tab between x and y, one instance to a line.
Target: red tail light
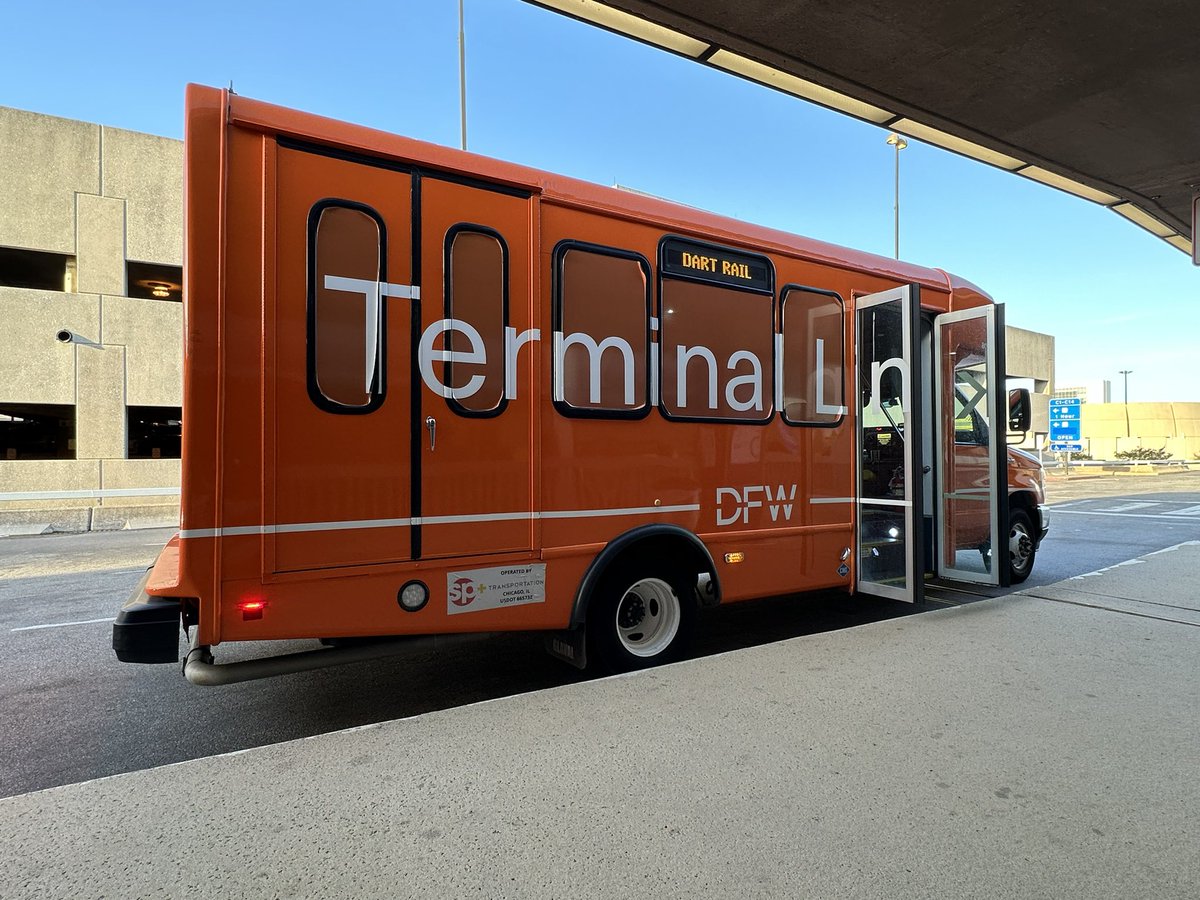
252	609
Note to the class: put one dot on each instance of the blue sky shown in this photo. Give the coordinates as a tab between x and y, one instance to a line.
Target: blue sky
555	94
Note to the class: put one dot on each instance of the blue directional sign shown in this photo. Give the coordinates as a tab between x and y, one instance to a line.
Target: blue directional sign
1064	425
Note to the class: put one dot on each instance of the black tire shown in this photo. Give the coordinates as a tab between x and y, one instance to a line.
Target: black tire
641	615
1022	546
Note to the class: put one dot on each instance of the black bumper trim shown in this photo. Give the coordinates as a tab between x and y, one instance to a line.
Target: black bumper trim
147	628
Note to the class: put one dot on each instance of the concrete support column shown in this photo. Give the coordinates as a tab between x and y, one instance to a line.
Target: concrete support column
100	244
100	402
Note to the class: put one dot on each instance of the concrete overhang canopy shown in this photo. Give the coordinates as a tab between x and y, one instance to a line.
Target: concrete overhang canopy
1098	99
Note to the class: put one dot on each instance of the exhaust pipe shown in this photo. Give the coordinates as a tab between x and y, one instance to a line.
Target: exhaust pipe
200	668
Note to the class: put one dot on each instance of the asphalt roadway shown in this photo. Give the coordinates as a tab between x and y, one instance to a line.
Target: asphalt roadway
74	714
1040	744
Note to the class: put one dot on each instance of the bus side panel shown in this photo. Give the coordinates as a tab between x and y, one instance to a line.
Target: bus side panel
598	463
250	222
203	208
306	605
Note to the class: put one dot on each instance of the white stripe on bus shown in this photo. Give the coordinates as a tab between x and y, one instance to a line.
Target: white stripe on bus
191	533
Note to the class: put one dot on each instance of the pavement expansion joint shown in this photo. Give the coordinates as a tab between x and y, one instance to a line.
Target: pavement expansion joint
1130	599
1123	612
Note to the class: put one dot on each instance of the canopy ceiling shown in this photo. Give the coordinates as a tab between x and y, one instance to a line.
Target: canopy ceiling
1100	98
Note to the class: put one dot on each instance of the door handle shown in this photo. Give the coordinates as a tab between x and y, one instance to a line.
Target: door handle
431	424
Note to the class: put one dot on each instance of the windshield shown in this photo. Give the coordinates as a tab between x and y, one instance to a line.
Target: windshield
888	414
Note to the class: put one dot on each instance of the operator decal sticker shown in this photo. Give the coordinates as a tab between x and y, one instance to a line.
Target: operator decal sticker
479	589
843	570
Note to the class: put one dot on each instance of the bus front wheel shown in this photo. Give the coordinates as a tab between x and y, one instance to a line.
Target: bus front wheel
1022	548
642	617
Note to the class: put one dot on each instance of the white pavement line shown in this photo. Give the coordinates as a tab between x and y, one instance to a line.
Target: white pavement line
1088	512
63	624
1175	547
1129	562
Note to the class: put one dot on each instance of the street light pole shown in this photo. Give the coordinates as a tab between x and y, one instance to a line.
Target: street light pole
462	74
899	143
1128	429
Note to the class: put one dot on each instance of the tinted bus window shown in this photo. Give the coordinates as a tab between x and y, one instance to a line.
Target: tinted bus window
602	332
813	357
717	355
345	326
477	294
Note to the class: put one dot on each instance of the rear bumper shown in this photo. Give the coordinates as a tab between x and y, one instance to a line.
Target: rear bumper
147	628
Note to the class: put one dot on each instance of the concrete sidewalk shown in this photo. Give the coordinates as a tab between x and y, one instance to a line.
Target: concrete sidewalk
1043	744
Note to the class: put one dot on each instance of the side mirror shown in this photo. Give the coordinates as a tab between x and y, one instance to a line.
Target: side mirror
1020	410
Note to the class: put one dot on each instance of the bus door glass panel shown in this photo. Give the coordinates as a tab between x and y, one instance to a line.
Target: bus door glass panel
341	470
476	434
889	446
966	457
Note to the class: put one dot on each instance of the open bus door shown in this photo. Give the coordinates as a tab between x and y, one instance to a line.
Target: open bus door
971	468
962	449
890	521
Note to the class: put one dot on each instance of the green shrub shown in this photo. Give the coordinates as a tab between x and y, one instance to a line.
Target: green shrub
1144	454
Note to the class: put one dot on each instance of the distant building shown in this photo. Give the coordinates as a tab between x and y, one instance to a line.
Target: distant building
1099	391
91	250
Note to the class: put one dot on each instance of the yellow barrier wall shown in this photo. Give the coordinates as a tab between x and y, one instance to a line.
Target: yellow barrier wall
1107	428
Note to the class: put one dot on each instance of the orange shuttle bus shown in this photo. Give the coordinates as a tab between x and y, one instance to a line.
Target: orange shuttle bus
429	393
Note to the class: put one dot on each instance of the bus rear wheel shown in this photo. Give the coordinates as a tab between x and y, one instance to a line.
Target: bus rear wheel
642	617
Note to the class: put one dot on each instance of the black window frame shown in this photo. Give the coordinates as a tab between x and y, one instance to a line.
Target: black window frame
558	256
783	292
767	291
379	382
447	292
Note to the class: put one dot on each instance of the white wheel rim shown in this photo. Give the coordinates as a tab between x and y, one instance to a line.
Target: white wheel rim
1020	547
647	617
